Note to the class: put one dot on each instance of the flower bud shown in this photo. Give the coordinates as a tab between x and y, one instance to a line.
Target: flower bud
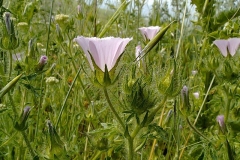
57	146
8	40
220	120
8	22
9	86
22	125
140	99
79	12
42	62
59	34
185	105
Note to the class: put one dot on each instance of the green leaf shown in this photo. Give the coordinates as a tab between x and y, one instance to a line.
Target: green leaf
225	16
113	18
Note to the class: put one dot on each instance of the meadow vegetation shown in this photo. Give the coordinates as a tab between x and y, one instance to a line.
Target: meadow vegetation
94	80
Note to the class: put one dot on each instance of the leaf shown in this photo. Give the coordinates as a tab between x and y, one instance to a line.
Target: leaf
113	18
235	125
225	16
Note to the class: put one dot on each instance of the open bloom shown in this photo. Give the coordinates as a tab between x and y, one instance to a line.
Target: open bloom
104	51
231	45
149	32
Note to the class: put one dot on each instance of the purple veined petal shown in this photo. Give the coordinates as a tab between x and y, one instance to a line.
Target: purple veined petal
222	46
96	51
122	45
144	33
84	43
233	44
152	31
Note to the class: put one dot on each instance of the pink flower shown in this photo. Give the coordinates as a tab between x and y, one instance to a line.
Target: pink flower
149	32
43	60
104	51
231	45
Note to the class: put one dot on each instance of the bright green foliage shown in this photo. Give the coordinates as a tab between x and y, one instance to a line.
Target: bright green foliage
135	111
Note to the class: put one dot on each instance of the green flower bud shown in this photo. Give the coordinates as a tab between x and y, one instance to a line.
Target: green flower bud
140	99
57	146
22	125
8	41
59	34
9	86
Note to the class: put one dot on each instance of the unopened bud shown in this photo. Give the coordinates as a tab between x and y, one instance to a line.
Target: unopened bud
22	125
185	105
42	62
59	34
220	120
8	22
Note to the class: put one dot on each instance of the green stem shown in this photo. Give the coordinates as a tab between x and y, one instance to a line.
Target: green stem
74	66
97	155
10	65
65	100
150	117
28	144
130	148
112	108
50	21
40	104
23	133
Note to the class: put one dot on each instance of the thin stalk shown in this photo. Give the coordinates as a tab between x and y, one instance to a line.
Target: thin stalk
130	148
205	98
155	141
28	144
86	143
40	104
65	100
112	108
10	65
75	68
97	155
181	35
50	21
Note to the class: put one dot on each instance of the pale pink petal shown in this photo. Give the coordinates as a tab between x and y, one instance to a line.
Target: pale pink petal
222	46
149	32
137	51
121	47
84	43
104	51
143	32
233	44
98	58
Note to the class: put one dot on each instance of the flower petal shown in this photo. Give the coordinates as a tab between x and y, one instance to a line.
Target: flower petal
222	46
84	43
233	44
121	47
149	32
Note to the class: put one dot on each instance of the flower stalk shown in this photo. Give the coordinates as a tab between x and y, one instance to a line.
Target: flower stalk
112	108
